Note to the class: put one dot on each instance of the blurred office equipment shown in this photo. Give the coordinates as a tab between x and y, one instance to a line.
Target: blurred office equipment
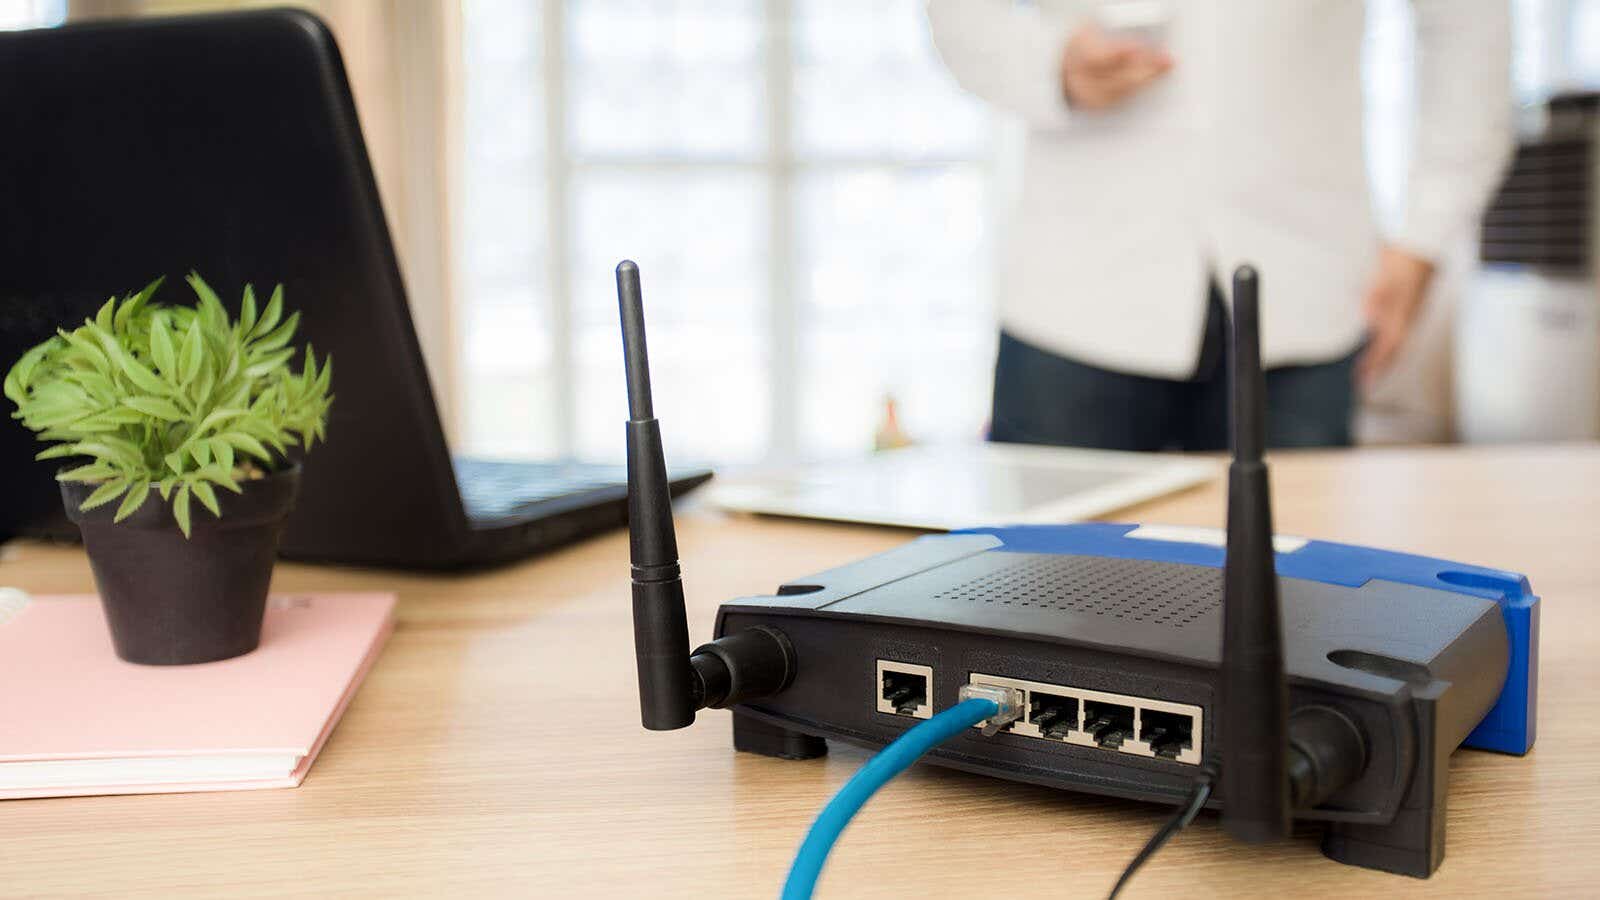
151	153
960	485
1528	340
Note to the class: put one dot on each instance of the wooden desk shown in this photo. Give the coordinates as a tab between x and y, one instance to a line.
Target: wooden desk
495	749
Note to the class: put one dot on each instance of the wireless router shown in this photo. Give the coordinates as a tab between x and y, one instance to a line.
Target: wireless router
1324	682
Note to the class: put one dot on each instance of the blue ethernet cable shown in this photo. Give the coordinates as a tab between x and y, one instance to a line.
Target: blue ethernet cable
889	762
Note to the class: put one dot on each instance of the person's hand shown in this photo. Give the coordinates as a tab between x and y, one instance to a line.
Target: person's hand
1393	299
1099	70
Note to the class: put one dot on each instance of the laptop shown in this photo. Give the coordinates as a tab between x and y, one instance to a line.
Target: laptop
229	144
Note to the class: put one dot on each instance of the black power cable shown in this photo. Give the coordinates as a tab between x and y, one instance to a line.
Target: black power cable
1198	795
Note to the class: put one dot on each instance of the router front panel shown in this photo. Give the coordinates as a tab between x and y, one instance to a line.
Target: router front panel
1098	722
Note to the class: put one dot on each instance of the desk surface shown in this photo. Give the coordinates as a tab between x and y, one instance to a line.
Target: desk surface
495	748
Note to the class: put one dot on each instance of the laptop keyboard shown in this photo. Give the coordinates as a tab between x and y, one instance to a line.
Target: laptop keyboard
491	489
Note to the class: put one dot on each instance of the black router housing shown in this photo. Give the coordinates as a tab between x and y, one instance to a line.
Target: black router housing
1416	669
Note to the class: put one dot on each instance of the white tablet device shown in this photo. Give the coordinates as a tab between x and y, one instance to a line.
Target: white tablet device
963	485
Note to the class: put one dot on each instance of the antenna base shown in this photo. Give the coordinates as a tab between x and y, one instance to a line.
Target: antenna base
743	666
1326	752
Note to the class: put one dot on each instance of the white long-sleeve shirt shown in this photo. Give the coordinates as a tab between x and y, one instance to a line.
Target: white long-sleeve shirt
1249	150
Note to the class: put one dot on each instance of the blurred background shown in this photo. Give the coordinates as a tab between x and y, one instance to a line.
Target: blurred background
815	206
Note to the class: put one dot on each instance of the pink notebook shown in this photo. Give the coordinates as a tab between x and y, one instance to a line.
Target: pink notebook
75	720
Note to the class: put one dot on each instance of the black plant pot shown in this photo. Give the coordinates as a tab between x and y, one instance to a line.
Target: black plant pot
171	600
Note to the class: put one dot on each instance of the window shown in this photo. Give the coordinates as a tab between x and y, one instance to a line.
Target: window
31	13
1583	44
1555	45
805	189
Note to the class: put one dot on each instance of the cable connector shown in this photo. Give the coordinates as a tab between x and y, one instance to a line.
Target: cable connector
1008	699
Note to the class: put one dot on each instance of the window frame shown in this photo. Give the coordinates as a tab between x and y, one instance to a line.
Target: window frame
780	165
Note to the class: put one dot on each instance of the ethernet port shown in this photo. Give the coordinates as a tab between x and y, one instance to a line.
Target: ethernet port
1109	724
1053	714
1167	733
904	689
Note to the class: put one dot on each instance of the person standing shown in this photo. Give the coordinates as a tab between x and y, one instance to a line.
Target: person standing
1169	142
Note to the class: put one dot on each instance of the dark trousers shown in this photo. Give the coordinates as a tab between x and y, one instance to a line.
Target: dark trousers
1042	398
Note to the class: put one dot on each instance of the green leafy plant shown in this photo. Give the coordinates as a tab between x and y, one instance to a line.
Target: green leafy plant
173	399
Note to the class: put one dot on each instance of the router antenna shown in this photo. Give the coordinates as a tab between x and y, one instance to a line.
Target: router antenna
1255	698
660	624
735	668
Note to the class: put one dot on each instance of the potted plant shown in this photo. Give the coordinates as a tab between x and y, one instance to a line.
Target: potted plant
157	409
